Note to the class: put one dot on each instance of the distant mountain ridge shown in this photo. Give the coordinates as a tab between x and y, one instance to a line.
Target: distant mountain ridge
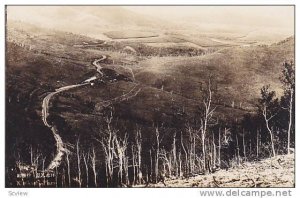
96	20
93	20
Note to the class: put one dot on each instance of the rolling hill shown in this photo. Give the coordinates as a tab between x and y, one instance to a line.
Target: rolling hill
165	80
167	77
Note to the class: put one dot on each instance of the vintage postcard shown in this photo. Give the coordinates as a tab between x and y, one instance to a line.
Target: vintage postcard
150	96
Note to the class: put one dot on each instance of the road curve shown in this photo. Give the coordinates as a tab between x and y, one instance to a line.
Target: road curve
98	66
60	147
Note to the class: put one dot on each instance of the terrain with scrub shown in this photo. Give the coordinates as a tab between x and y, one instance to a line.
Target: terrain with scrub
166	75
275	171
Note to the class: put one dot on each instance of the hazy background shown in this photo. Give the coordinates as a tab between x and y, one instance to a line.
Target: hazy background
257	22
259	16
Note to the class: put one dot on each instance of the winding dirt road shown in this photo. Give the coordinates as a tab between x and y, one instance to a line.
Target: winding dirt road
98	66
60	146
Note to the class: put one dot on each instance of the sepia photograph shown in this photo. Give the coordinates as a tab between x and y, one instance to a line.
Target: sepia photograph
149	96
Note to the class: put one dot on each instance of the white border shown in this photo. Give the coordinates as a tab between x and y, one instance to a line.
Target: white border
178	192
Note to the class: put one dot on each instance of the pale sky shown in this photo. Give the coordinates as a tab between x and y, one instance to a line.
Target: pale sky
243	19
271	16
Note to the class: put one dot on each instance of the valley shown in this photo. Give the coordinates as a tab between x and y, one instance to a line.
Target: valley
95	104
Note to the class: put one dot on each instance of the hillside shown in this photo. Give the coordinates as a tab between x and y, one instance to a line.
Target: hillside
260	64
148	81
265	173
172	80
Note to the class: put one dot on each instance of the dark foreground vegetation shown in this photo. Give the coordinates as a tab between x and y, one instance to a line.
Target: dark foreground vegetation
127	154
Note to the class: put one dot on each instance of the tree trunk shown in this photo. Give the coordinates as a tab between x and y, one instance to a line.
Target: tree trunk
214	152
250	147
257	143
194	152
43	168
244	145
186	156
180	165
151	165
139	155
78	163
272	144
203	152
63	178
208	112
272	139
238	149
56	177
94	166
290	120
157	154
219	147
85	160
174	155
68	167
269	129
133	164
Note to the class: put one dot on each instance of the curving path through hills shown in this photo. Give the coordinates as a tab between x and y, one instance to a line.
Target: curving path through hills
60	147
98	66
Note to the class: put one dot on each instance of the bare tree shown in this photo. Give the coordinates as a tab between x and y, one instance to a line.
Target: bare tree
175	165
151	165
238	148
78	179
85	160
134	163
185	153
63	178
126	165
244	145
157	153
290	109
268	109
43	169
93	162
166	162
257	143
192	149
267	120
206	118
219	150
214	152
121	147
180	165
138	141
288	80
107	142
56	177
